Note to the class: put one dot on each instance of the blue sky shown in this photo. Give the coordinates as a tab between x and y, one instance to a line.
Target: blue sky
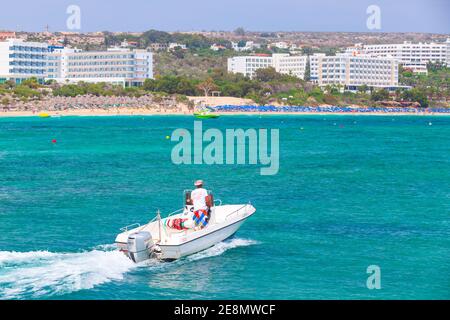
258	15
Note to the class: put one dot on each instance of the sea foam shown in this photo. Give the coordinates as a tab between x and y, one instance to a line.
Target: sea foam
40	274
221	247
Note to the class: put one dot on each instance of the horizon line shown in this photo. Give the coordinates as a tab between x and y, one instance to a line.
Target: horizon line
231	31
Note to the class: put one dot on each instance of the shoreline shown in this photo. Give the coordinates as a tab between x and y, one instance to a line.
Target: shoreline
140	112
91	113
337	113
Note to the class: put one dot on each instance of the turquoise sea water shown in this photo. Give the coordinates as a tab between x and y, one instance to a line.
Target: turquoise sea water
352	191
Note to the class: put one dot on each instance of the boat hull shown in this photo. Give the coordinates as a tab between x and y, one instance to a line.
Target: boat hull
206	116
172	252
169	244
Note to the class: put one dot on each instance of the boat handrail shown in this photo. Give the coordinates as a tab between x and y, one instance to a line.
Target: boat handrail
137	224
125	229
156	217
174	212
236	210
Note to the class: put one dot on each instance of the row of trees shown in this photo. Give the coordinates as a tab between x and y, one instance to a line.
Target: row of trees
435	85
32	89
28	89
267	86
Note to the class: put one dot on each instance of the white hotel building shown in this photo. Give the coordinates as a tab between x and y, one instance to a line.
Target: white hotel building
448	52
282	62
314	66
410	55
117	66
353	71
20	60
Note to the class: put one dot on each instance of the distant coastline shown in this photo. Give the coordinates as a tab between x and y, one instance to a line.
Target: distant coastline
149	105
144	112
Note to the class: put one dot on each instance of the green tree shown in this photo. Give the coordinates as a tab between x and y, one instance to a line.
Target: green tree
307	71
69	90
363	89
379	95
435	66
9	84
178	52
31	83
307	51
267	74
149	84
416	95
239	31
155	36
25	92
186	87
317	94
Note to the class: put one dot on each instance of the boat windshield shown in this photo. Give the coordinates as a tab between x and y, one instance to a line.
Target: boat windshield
187	198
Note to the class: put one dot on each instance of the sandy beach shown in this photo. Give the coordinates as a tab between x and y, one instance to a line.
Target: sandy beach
92	112
339	113
146	106
144	112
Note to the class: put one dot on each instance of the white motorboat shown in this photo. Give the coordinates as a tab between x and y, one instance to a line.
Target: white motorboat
156	240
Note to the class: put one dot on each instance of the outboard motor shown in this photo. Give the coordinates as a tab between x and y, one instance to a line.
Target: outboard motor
139	245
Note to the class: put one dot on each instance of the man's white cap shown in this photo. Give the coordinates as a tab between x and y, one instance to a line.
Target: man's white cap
198	183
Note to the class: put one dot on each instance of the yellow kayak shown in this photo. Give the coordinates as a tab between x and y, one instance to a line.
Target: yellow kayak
44	115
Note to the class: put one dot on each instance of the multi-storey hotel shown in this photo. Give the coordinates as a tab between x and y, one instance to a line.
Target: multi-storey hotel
313	66
353	71
20	60
118	66
57	63
282	62
448	52
287	64
411	55
247	65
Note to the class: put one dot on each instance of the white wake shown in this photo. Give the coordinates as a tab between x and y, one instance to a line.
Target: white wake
39	274
221	247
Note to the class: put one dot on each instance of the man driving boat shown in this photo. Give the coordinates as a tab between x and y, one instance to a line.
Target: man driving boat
198	219
199	199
